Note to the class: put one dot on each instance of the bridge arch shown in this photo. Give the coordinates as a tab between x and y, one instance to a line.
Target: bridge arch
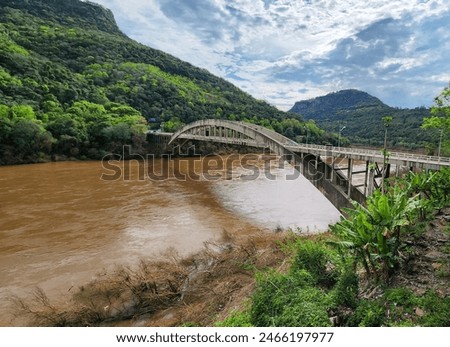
308	164
236	132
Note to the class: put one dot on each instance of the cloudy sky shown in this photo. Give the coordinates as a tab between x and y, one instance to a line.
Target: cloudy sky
283	51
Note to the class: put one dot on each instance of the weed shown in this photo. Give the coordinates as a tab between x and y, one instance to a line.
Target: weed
346	291
289	300
369	313
241	318
436	309
318	260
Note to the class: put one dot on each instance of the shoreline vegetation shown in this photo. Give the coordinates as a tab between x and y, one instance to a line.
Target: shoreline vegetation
388	264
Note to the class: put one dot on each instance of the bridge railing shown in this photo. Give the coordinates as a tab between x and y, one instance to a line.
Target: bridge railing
289	144
228	140
375	153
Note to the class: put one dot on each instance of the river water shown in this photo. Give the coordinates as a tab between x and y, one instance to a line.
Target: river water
62	224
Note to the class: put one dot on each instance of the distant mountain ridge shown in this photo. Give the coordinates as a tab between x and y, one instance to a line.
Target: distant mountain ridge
361	115
323	106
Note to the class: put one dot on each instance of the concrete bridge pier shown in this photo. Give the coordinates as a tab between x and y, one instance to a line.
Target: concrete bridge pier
336	183
321	175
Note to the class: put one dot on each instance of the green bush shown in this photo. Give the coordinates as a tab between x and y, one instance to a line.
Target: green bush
369	313
289	300
318	260
237	319
437	310
346	290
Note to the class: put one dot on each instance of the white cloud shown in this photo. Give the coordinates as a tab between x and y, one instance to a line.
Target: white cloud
285	50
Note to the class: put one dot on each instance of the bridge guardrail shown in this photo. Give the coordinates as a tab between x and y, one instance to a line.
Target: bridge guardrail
289	144
378	154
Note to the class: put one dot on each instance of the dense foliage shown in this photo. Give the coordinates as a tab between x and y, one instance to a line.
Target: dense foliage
361	115
55	55
330	277
440	119
373	233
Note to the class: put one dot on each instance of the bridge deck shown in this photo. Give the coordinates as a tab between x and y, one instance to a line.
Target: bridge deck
396	158
376	156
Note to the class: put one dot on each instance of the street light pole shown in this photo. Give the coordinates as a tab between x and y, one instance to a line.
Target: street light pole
440	144
307	133
339	137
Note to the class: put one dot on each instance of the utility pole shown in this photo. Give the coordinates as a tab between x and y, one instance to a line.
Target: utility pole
307	133
339	137
440	145
386	122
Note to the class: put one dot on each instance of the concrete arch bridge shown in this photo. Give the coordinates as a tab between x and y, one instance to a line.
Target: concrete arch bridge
341	174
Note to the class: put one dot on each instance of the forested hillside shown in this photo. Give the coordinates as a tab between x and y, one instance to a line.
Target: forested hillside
361	115
72	84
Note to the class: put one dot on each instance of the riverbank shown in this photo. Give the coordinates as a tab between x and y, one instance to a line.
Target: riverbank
195	290
222	284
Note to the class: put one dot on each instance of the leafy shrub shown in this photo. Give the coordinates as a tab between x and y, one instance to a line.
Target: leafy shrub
317	259
346	289
373	234
369	313
437	310
289	300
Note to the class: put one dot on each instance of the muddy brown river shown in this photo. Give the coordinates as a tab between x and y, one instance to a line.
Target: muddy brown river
62	224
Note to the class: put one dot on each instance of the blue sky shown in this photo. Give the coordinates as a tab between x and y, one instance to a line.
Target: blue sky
283	51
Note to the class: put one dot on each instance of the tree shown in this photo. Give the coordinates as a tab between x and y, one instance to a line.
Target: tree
23	111
30	138
440	115
5	128
70	133
117	136
173	125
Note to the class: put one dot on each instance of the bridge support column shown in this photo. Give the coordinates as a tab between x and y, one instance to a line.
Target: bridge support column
333	174
349	176
371	181
366	176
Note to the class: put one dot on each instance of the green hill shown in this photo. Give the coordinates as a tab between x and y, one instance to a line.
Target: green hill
361	115
72	84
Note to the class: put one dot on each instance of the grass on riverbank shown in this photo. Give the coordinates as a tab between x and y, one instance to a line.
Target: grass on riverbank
386	264
323	289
